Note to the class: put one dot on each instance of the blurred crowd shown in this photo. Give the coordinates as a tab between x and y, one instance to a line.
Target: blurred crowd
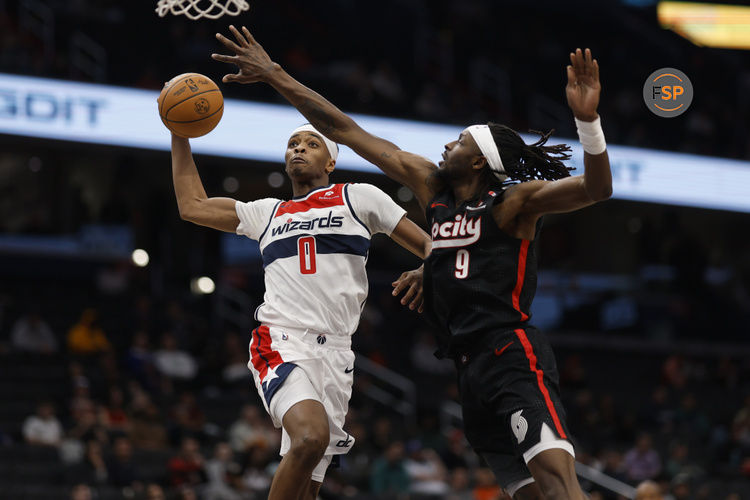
455	61
161	406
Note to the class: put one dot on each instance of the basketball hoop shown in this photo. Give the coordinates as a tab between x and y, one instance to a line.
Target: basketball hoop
195	9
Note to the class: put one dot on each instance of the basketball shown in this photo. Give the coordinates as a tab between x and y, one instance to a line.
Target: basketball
190	105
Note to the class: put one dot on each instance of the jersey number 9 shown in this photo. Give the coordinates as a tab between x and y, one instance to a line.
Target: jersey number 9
462	264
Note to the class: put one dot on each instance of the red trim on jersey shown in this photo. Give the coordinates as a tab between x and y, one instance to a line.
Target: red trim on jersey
261	354
317	199
540	380
519	280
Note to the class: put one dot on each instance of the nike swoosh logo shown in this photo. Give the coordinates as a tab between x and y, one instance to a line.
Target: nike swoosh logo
498	352
477	208
348	370
438	205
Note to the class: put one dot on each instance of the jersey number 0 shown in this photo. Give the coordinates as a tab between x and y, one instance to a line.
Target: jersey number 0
306	252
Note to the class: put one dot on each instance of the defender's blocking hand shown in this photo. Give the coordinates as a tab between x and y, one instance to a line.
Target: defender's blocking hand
253	62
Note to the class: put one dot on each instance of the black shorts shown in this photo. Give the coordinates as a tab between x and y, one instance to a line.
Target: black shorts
511	404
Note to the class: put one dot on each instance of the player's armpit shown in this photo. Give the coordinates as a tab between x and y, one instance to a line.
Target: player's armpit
412	237
216	213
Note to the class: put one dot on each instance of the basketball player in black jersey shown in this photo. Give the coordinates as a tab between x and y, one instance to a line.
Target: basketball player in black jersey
484	205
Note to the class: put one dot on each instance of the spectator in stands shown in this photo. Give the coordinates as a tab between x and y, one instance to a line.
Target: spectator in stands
187	417
258	471
460	485
86	337
681	487
139	361
154	492
81	492
113	415
81	402
218	470
236	355
648	490
93	469
187	467
677	460
249	431
389	479
426	472
173	362
32	334
642	461
147	430
486	487
121	468
43	428
87	428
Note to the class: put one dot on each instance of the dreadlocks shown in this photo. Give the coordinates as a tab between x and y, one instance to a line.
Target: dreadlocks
522	162
525	162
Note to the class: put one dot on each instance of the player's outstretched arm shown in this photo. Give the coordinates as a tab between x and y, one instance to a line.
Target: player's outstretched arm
571	193
194	205
412	237
255	65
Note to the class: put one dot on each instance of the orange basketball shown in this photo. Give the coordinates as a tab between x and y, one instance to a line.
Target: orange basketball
191	105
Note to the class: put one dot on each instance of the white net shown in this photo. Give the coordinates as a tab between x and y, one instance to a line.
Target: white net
195	9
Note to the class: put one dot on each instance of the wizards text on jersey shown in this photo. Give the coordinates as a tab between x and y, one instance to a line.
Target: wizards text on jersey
308	225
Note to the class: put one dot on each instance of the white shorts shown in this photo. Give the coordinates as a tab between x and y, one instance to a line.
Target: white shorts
291	365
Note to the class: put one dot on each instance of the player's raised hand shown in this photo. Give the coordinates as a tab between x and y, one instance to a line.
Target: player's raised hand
411	281
253	62
583	87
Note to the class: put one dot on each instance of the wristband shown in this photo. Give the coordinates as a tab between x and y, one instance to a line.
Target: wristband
591	136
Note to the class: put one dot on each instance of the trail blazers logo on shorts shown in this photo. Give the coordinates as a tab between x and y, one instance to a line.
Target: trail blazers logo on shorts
519	425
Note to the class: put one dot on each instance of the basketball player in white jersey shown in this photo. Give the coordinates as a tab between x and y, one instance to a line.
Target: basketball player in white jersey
314	250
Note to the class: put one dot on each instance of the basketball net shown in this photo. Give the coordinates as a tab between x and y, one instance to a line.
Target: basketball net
195	9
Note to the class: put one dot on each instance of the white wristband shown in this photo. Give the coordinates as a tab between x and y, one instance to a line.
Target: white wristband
591	136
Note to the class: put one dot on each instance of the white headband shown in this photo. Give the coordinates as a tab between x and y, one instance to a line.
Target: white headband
483	137
333	148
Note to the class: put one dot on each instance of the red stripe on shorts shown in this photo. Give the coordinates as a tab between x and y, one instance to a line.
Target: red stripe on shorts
540	380
261	354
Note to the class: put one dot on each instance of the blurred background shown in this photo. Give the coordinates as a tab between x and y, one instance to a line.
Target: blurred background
124	330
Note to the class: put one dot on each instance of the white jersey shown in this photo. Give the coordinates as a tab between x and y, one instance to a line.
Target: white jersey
314	250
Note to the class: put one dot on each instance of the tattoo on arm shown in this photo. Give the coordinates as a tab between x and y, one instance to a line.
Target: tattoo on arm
319	118
385	154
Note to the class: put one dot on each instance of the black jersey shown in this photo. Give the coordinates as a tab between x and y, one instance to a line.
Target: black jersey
477	278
